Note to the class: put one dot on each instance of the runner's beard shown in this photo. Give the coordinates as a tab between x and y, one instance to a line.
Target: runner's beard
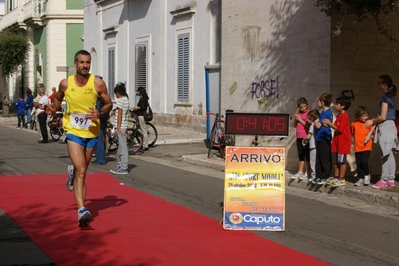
84	72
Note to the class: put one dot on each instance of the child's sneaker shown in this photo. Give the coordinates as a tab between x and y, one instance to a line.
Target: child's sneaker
338	183
303	176
381	184
391	183
119	171
297	175
319	181
84	217
69	181
359	182
367	180
331	180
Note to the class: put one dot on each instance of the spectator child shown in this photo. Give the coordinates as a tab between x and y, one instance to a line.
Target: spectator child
29	103
301	125
21	107
313	115
363	145
323	140
341	142
122	110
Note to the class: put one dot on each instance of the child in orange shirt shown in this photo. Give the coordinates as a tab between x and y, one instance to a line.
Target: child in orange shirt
363	145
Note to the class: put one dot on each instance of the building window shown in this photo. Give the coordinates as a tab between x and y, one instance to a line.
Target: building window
183	67
141	67
111	72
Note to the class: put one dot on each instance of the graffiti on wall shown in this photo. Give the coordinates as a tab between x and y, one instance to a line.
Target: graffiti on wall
250	35
349	94
264	90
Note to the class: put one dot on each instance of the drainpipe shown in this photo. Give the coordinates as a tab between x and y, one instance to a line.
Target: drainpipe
207	103
208	95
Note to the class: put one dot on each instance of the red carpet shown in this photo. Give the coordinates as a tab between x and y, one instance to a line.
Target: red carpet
129	228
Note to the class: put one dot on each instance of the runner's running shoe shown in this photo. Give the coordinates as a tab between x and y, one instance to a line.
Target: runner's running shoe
84	217
69	181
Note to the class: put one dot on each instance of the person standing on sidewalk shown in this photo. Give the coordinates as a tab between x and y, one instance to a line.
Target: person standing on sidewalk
386	133
40	112
81	123
29	103
141	109
21	107
341	142
323	140
313	115
302	126
362	141
99	150
122	111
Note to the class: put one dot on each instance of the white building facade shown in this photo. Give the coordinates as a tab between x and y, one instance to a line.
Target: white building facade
164	46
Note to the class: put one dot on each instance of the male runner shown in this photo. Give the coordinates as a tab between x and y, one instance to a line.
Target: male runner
81	123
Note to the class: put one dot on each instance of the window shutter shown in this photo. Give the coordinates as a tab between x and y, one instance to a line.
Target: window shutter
141	67
111	72
183	68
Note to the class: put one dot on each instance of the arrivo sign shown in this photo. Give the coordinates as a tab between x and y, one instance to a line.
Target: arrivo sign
269	124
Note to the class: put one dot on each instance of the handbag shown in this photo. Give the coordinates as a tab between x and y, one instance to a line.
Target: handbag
148	114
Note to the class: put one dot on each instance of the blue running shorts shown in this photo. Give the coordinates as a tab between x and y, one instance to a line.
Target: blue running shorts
87	143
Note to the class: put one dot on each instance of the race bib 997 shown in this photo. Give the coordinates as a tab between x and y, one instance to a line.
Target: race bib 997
79	121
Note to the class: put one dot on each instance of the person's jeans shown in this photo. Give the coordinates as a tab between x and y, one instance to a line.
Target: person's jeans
122	150
21	120
28	115
100	148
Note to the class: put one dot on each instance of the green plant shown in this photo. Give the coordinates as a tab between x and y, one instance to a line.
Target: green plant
342	9
14	49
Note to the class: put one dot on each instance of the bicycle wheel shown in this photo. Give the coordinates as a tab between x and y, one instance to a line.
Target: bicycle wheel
212	138
228	140
112	139
134	140
55	134
55	131
152	134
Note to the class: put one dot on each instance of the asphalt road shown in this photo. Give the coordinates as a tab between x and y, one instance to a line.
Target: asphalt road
337	230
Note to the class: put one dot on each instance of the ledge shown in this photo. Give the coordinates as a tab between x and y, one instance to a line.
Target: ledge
182	12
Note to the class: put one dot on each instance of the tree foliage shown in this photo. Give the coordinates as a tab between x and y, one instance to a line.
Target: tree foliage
14	49
342	9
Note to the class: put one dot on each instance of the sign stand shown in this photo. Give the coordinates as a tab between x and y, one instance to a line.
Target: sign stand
254	192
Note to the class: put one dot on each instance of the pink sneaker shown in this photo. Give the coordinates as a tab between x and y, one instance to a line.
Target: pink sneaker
391	183
380	184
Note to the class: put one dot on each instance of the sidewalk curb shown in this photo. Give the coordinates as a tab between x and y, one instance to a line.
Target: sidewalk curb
203	160
365	193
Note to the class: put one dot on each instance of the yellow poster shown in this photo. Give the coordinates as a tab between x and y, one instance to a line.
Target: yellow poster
254	189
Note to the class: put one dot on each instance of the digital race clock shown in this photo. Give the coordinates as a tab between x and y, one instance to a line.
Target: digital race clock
257	124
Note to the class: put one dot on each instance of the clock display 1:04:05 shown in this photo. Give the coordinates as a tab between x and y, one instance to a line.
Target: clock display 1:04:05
257	124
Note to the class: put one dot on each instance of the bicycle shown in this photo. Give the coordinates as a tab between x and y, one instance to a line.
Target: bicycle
133	139
55	125
151	129
217	139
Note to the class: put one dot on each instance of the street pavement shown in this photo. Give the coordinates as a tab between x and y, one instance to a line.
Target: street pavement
173	135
